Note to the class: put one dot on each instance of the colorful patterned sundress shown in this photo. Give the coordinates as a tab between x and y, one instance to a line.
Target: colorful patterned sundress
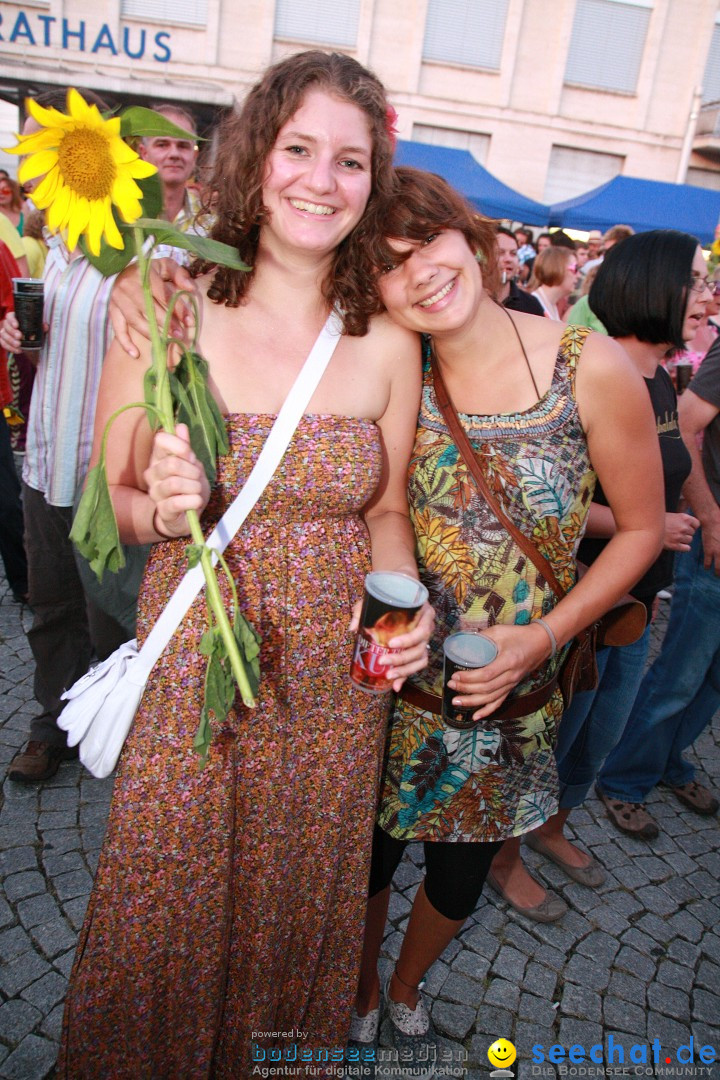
230	899
497	779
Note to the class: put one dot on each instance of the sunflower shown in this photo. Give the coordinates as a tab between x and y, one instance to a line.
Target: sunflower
86	168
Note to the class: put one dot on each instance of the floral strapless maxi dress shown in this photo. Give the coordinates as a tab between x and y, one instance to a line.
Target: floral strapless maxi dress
229	900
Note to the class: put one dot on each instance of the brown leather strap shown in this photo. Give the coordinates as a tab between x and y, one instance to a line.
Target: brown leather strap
509	710
470	458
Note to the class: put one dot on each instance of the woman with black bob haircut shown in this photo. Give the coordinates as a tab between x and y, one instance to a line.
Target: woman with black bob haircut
650	292
640	290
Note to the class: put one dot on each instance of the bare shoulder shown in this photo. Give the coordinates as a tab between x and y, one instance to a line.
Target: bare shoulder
604	361
390	344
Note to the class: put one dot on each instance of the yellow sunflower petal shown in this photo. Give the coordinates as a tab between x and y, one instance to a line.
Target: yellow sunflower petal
140	169
77	106
95	226
37	164
39	140
126	196
121	152
47	117
58	208
78	218
112	233
46	190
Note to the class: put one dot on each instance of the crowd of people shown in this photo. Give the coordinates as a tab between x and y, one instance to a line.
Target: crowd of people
497	402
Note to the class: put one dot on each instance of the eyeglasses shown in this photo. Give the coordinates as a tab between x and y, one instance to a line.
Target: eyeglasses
700	284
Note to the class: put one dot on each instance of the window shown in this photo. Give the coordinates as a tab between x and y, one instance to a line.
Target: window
478	145
573	172
468	32
190	12
324	22
711	78
607	43
707	178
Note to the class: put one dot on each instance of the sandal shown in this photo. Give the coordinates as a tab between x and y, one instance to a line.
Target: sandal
696	797
630	818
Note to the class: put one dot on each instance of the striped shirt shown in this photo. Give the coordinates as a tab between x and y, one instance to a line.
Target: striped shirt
64	397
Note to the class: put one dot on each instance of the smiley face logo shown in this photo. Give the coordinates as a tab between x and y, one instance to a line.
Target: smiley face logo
502	1053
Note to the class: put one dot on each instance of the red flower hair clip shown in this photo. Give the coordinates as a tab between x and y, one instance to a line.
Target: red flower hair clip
391	125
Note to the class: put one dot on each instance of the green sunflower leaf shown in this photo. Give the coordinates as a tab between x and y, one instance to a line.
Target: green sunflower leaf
197	408
211	250
94	530
139	121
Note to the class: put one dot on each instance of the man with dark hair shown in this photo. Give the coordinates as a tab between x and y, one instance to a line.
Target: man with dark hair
509	294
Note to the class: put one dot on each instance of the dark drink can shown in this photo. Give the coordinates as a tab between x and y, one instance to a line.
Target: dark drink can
463	651
28	304
390	604
683	375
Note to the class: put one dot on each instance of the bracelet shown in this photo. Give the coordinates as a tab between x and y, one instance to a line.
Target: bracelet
161	534
548	631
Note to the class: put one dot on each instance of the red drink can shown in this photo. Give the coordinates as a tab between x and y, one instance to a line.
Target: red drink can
390	604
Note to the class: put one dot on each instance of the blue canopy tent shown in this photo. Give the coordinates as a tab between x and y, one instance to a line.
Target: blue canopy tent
644	204
480	187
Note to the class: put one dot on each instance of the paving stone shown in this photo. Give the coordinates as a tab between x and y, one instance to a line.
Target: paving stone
52	820
540	980
472	964
18	835
680	862
36	910
708	977
551	957
13	943
710	946
33	1060
574	1032
59	841
630	875
7	916
399	907
687	926
683	952
592	976
64	963
642	942
54	937
606	917
480	1043
705	1007
29	883
668	1031
462	990
581	1002
76	883
657	900
454	1020
58	798
520	939
669	1001
491	1021
600	947
635	964
503	994
620	1014
676	975
537	1010
480	941
17	1019
510	964
18	974
52	1024
656	927
46	992
55	865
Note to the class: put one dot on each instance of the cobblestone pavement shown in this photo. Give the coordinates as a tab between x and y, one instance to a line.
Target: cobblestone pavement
638	958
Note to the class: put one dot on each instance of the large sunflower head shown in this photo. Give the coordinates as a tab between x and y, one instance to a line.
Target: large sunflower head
87	169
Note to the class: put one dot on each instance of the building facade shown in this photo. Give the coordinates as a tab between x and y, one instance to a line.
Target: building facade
553	99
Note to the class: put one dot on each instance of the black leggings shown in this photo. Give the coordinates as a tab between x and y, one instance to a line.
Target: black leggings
454	872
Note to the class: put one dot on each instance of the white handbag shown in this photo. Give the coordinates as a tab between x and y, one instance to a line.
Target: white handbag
102	704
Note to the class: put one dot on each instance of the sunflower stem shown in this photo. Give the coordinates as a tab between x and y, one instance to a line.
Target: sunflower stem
163	405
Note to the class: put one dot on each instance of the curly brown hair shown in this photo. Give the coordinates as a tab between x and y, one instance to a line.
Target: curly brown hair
245	141
420	204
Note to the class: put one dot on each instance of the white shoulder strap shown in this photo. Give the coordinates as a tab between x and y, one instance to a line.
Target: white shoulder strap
262	472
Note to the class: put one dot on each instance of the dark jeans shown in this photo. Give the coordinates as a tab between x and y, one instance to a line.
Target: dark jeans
12	551
67	628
